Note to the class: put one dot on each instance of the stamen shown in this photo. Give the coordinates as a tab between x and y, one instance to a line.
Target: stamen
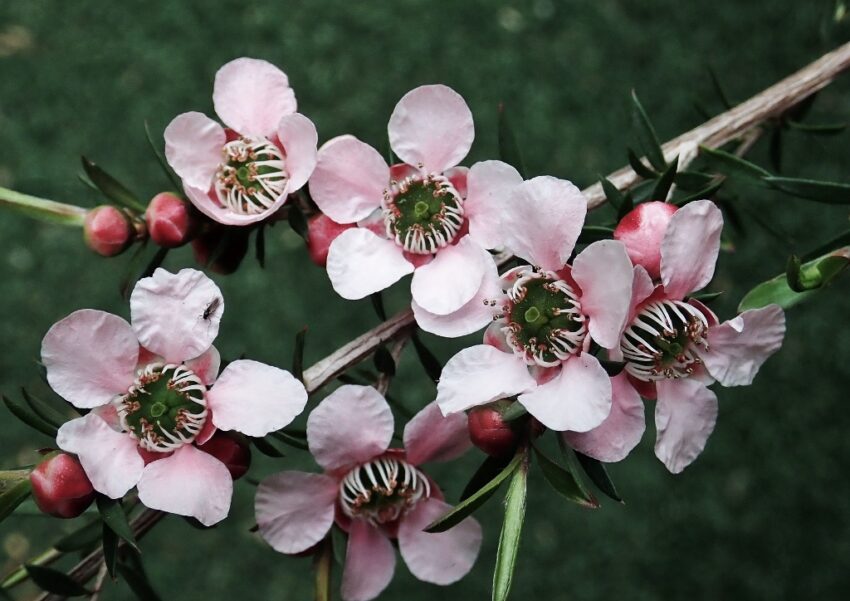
165	407
661	341
252	176
382	490
423	214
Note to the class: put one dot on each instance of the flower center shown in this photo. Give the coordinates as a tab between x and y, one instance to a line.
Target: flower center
382	490
661	341
251	177
423	214
545	323
164	408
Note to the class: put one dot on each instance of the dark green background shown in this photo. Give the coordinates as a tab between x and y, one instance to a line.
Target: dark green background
763	513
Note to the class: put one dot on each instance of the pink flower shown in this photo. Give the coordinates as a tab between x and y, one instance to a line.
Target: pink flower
424	216
375	493
547	314
642	230
675	347
153	392
243	174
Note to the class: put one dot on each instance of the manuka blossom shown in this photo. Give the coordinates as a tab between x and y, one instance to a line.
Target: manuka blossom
375	493
424	216
547	313
675	347
244	172
154	391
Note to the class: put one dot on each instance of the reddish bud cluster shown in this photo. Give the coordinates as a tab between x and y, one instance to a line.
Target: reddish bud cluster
171	220
108	231
60	486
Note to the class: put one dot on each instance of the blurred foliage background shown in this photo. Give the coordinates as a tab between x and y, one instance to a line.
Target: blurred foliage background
763	513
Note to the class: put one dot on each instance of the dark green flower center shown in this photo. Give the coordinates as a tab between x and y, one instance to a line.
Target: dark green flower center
423	215
545	323
252	176
164	408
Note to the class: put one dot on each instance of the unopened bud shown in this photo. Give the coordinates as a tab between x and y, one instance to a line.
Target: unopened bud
490	432
108	231
642	231
171	220
231	451
60	486
321	231
221	248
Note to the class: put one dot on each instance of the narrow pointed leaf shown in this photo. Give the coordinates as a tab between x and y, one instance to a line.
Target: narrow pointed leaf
298	354
113	516
56	582
43	410
564	482
573	466
288	439
267	448
111	187
25	414
488	470
466	507
612	193
662	186
640	167
597	473
706	297
731	165
377	299
706	193
509	151
692	181
297	221
166	169
646	135
506	555
627	206
820	129
592	233
432	366
384	361
110	549
816	190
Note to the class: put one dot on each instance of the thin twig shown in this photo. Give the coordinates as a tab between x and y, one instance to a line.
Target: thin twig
98	582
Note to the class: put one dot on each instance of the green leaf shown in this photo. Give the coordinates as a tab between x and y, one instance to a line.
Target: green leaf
23	413
384	361
113	516
597	473
110	549
777	291
564	482
289	439
593	233
111	187
56	582
574	467
692	180
81	538
612	193
509	151
13	496
429	362
639	167
267	448
377	299
818	129
706	192
298	222
662	186
465	508
488	470
298	354
819	191
506	555
166	168
43	410
131	570
627	206
731	165
706	297
646	135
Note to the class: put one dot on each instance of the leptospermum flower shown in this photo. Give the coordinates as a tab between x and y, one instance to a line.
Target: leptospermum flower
375	493
244	172
413	217
154	391
547	313
675	347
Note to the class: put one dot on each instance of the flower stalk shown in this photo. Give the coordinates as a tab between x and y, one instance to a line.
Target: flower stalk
43	209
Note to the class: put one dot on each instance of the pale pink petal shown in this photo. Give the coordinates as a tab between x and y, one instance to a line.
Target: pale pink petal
369	562
214	210
471	317
685	415
479	375
176	315
642	288
431	126
441	558
579	399
690	247
451	280
110	459
90	357
299	139
189	482
352	425
604	273
295	510
458	178
430	436
361	263
252	95
349	180
206	366
542	219
193	144
737	348
494	335
254	398
621	431
489	184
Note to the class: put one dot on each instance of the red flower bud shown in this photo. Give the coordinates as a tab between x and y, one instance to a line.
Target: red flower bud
108	231
231	451
489	432
171	220
227	258
321	231
60	486
642	231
